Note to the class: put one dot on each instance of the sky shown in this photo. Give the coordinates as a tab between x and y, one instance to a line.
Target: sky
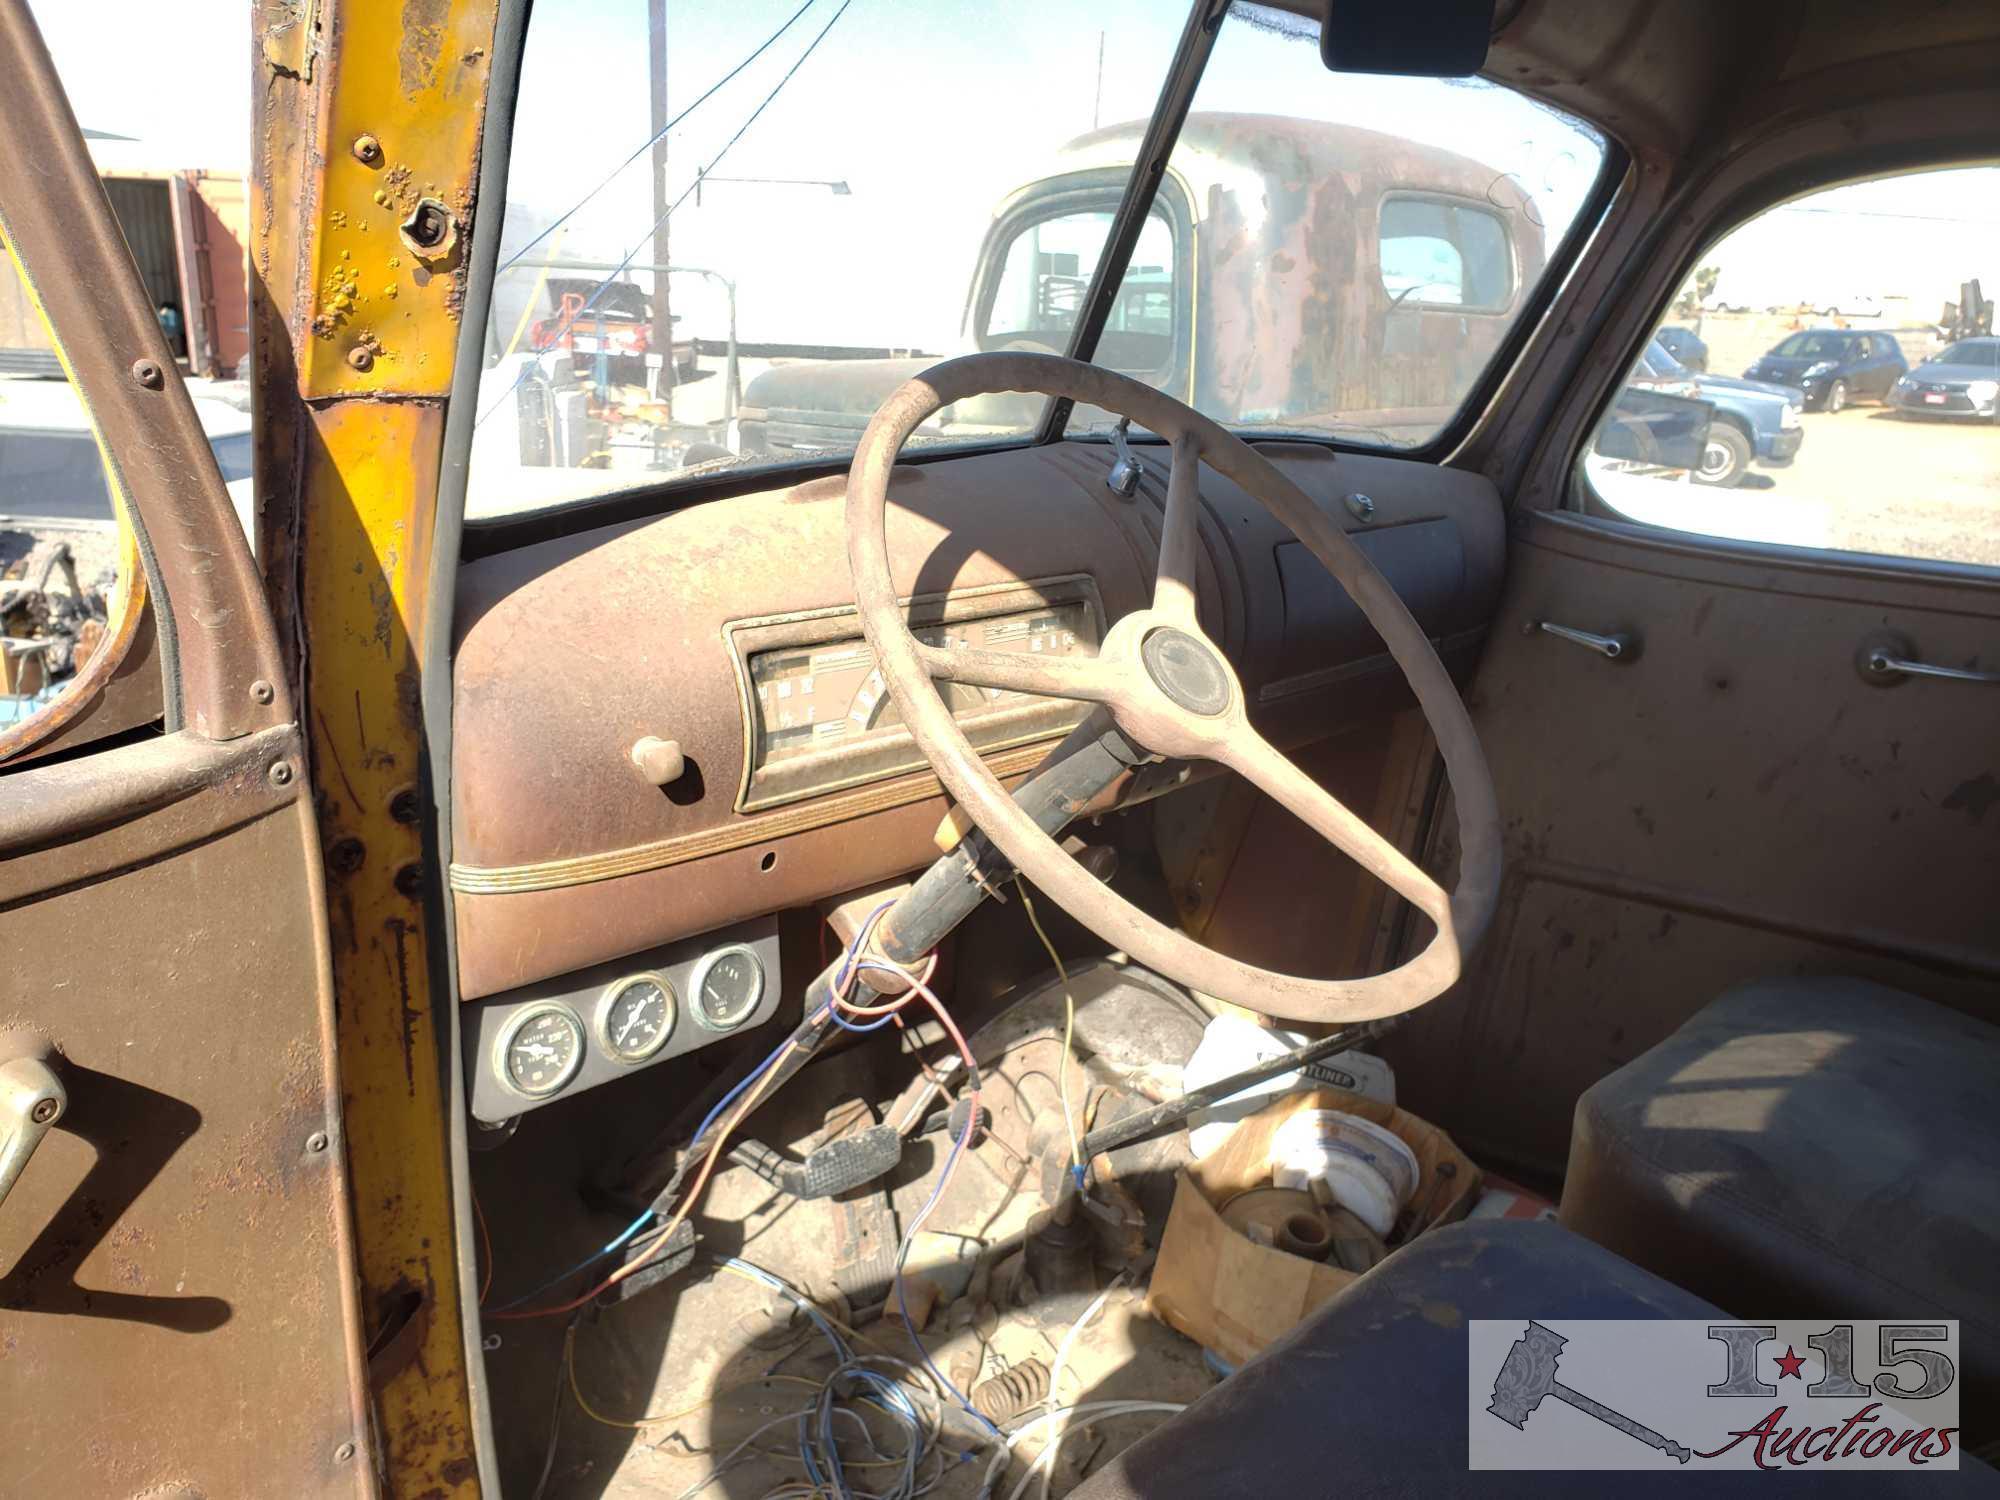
931	115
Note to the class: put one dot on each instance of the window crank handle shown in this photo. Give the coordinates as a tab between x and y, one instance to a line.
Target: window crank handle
1621	647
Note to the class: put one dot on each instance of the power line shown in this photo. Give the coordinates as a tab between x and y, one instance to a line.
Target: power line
715	161
650	141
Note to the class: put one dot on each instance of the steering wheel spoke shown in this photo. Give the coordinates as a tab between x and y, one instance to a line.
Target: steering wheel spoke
1085	679
1174	588
1252	757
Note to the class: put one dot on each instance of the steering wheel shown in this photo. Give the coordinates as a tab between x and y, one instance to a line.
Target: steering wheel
1171	692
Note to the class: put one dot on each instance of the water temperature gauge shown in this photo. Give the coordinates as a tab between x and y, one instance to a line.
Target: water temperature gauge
541	1050
636	1017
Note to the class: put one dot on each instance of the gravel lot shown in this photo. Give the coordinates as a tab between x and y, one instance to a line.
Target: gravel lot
1867	479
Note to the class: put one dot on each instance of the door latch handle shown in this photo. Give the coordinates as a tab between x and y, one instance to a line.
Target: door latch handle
1619	647
32	1099
1882	664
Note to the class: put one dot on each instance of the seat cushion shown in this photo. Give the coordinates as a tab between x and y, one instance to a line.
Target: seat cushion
1369	1396
1809	1147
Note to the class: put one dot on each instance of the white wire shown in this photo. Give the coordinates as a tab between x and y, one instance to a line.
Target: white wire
1045	1464
1096	1408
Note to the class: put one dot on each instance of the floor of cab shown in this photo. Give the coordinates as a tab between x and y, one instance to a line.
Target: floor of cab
695	1387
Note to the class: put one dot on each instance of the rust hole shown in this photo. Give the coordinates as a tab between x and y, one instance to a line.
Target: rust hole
430	230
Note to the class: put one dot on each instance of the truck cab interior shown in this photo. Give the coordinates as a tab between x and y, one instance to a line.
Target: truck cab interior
736	858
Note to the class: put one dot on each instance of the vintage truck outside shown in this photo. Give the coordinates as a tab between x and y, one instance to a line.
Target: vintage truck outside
1303	275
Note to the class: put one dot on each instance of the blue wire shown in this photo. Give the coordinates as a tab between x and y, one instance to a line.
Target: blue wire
903	1307
589	1260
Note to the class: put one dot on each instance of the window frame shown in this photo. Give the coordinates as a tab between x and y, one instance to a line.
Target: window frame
1095	190
1414	303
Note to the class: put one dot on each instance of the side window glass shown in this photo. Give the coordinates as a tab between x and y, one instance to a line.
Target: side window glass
1045	274
1846	364
1445	254
70	586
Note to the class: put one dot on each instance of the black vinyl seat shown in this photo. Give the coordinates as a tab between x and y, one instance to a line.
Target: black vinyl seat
1369	1396
1809	1147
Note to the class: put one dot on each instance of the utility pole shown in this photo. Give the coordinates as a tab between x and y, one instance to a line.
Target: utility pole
663	322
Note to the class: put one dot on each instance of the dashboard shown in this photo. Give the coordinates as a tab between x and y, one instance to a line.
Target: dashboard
728	628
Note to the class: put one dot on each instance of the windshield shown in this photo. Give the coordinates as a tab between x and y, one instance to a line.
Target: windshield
1980	354
820	199
1375	239
1812	345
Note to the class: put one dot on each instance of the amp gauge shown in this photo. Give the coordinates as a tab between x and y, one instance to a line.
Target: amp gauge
540	1050
727	985
636	1017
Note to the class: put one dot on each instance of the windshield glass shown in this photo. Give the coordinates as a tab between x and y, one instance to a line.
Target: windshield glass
1366	243
1814	345
1982	354
820	198
837	179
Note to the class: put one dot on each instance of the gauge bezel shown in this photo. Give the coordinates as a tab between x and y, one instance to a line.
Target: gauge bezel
505	1043
700	977
609	998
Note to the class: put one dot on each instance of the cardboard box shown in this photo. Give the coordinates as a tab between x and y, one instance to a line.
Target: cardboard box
1235	1297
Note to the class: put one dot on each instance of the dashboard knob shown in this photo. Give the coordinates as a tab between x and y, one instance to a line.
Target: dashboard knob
659	761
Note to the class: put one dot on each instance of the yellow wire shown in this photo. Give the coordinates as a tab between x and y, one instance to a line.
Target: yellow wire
569	1358
1069	1026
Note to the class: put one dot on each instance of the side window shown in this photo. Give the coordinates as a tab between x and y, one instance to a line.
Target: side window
1446	254
1045	273
68	603
1845	353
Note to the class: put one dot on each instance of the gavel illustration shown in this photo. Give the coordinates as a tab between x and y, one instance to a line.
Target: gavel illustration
1529	1373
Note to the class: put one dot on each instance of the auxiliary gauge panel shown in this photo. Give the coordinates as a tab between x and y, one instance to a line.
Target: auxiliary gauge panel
546	1041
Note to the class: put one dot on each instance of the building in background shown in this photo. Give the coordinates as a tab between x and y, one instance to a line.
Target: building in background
187	227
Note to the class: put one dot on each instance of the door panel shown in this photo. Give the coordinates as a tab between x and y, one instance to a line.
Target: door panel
177	1301
1736	802
178	1305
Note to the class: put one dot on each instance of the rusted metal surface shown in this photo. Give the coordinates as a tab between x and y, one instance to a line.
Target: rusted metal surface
366	109
630	619
381	279
1293	322
1183	705
76	266
176	1298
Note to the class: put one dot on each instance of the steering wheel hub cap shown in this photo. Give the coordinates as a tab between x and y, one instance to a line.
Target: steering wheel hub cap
1183	668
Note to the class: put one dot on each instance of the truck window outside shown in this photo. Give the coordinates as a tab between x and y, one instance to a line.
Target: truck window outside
737	273
1826	377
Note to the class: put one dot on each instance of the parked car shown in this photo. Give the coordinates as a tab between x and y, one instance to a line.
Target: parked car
50	466
1834	366
1752	422
1686	346
1960	381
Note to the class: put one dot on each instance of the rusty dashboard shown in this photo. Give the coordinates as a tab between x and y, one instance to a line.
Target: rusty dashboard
728	628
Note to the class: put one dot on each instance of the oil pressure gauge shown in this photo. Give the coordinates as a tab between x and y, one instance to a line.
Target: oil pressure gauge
541	1049
636	1017
727	985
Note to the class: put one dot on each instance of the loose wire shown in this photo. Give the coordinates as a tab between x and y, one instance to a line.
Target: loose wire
1077	1164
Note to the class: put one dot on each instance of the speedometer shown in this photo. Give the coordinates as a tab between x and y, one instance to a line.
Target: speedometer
821	719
